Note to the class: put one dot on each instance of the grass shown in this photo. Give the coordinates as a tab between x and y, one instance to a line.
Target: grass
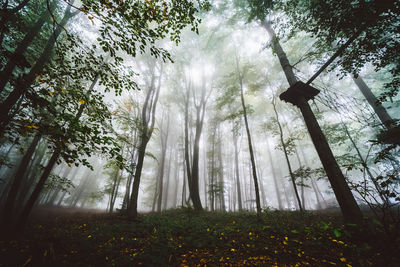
185	238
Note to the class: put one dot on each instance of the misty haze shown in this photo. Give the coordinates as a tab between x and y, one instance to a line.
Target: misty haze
199	133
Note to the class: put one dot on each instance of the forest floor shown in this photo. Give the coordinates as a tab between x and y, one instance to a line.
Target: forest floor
185	238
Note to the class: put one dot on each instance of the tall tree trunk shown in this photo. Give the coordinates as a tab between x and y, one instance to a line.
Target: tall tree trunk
8	210
260	175
289	165
31	174
73	177
194	172
164	144
27	80
221	172
114	193
380	111
176	179
253	163
184	185
153	206
6	14
213	187
274	176
56	192
21	49
33	198
347	203
205	179
132	210
35	194
194	193
187	162
148	120
168	178
160	186
238	188
378	188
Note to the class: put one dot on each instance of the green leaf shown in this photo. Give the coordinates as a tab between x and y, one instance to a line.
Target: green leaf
375	221
337	233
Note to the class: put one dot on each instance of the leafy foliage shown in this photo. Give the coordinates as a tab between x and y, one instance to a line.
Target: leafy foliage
184	237
378	44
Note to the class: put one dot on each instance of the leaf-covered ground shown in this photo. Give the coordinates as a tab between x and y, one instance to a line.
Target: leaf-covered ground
185	238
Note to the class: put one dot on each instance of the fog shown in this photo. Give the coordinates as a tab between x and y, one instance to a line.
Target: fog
183	116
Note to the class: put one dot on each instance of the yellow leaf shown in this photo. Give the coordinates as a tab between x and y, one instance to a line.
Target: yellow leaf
27	261
81	101
343	259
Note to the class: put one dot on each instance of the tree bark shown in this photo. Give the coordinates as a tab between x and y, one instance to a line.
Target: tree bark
8	210
27	80
380	111
289	165
21	49
345	198
221	172
168	178
160	187
6	14
33	198
274	177
253	163
148	120
348	205
238	188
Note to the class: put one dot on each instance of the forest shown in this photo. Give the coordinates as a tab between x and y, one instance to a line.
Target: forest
199	133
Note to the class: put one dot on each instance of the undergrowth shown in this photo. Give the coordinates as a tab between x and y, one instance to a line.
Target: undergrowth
183	237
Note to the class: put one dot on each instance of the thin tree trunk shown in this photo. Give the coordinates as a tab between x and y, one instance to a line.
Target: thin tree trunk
293	179
27	80
253	164
238	187
260	175
164	144
114	194
212	197
21	49
6	14
221	173
176	179
274	178
73	175
380	111
8	210
364	164
165	201
33	198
